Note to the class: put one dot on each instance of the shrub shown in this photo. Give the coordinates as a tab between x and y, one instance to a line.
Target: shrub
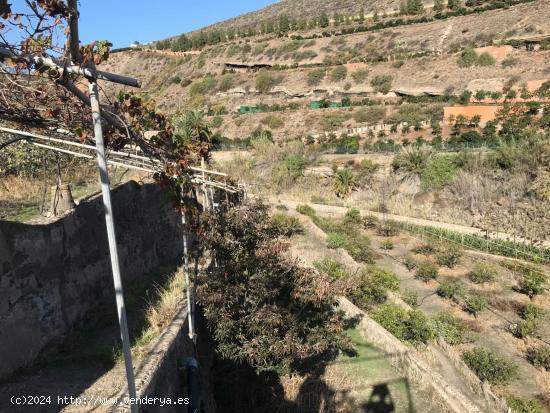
391	317
531	312
525	328
373	286
352	217
227	81
426	248
265	81
426	271
475	304
482	273
523	405
418	328
287	225
410	262
451	290
370	221
382	83
272	122
510	62
449	256
411	298
373	114
202	87
335	240
412	326
439	171
294	165
315	77
333	269
332	121
489	366
540	356
358	247
360	75
532	283
468	57
387	228
387	244
216	122
450	328
485	59
305	210
339	73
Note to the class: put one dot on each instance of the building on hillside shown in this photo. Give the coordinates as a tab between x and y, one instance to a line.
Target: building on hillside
486	113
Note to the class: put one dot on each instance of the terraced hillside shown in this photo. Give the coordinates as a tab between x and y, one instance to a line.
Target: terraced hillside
288	71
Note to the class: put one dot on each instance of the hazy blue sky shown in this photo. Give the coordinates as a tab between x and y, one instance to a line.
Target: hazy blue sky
124	21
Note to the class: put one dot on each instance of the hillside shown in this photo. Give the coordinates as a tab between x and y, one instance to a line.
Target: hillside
302	9
422	61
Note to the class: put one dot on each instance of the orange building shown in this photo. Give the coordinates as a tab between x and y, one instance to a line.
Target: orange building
485	112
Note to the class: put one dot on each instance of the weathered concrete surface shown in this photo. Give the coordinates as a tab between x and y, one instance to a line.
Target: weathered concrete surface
52	275
158	373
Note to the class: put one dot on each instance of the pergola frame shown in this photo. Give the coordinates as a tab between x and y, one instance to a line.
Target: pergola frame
202	176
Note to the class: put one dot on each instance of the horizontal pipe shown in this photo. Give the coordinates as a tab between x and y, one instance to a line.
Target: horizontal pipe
93	74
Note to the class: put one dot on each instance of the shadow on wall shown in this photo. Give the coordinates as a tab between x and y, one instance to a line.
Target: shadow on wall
53	275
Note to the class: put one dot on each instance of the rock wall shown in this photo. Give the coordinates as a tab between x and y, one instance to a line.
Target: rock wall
53	275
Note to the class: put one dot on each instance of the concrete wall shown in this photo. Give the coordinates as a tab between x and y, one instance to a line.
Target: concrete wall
52	275
159	373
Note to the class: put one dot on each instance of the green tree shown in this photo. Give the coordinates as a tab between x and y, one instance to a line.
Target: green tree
263	309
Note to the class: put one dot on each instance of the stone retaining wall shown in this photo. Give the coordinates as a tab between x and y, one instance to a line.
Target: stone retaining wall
52	275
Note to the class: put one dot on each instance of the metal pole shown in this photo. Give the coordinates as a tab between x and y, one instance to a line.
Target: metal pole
109	220
205	195
190	314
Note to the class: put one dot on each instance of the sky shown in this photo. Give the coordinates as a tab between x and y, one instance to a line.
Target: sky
124	21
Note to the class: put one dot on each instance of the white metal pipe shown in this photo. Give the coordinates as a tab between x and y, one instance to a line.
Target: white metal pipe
87	72
187	278
193	168
111	235
83	155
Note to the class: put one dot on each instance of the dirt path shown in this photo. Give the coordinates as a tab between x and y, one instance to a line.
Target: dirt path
337	211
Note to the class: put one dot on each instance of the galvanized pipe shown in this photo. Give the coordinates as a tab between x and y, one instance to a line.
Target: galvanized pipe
111	235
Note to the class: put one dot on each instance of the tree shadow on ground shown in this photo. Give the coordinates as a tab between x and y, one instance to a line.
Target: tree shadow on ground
240	388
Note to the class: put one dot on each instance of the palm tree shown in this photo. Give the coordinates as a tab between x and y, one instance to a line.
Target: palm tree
412	159
344	182
192	128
